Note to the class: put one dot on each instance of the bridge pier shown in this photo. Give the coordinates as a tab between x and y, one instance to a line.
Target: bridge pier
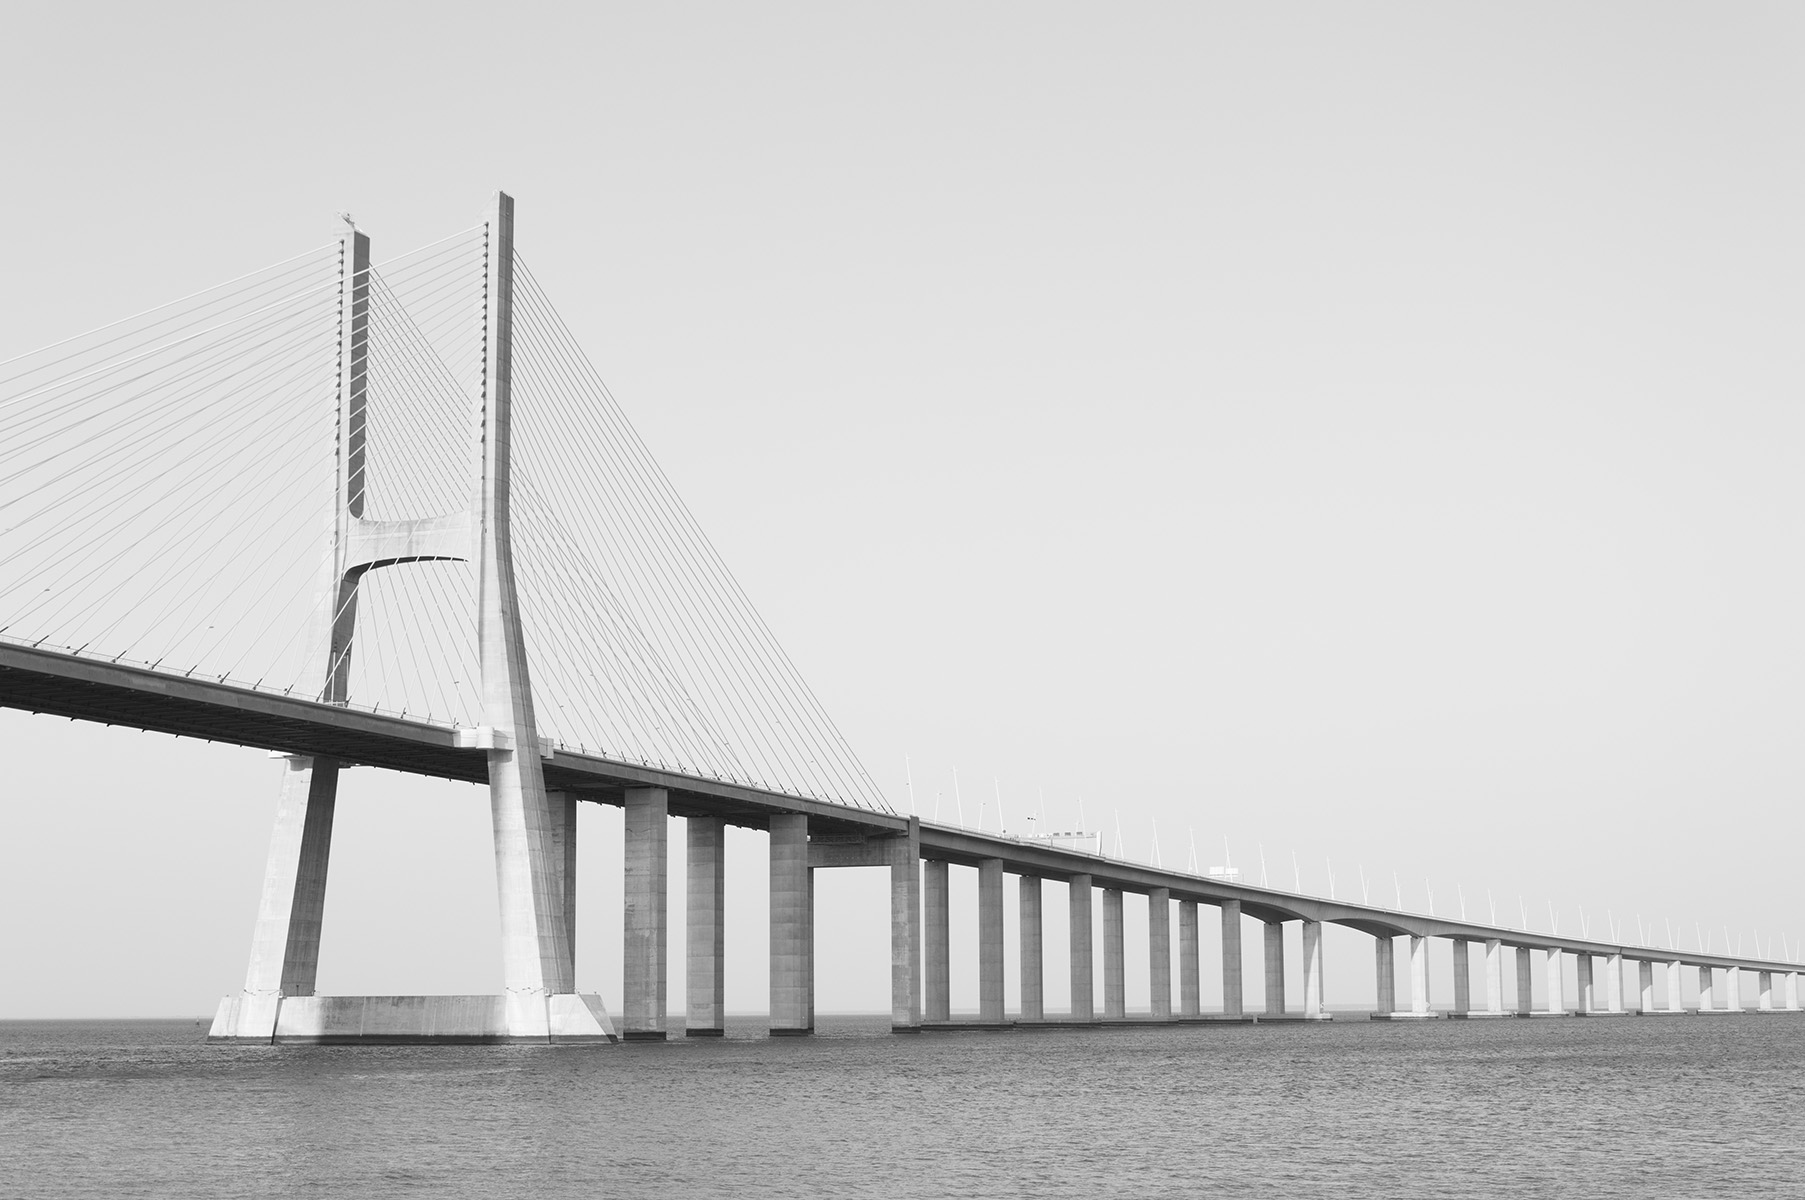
1583	976
936	902
1385	974
1494	978
1733	989
1525	982
1232	993
1115	1006
1079	902
990	941
1764	991
1613	983
1190	990
1034	1003
1555	1005
1673	987
1275	968
1704	989
1314	1009
905	929
792	927
1792	991
1463	979
1159	952
645	940
1645	979
705	981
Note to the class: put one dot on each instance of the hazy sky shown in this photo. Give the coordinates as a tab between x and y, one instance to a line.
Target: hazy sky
1366	431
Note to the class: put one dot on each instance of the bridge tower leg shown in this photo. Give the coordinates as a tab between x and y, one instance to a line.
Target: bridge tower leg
705	981
1233	996
1159	952
1079	900
1033	966
1190	990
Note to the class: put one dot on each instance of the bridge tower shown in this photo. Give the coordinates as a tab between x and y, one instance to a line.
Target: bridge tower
534	833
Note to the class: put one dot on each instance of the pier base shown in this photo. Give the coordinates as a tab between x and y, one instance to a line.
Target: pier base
338	1020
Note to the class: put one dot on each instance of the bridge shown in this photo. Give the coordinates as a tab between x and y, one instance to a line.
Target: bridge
388	515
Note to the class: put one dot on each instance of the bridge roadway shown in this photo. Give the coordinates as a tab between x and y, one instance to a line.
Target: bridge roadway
95	689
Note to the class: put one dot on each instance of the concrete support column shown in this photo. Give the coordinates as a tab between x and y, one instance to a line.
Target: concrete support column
1275	969
905	929
990	941
1613	982
1582	964
936	903
1385	974
645	941
705	984
1463	978
1419	974
1733	989
1034	1003
1673	987
285	946
1792	991
1494	976
1704	989
792	927
1115	1006
1525	982
1190	991
563	809
1645	979
1557	1003
1159	952
1232	1004
1314	1009
1764	991
1079	894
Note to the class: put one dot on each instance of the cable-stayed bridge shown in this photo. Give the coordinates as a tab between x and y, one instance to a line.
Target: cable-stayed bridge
386	513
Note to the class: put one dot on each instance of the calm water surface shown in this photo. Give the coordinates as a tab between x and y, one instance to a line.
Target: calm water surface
1660	1107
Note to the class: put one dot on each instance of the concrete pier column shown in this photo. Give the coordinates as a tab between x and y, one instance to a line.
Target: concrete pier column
1314	1009
1764	991
1582	964
1613	982
1463	978
1232	1003
1645	979
1115	1006
905	929
1275	968
990	941
1034	1002
1079	895
1792	991
562	806
645	941
1190	990
1159	953
1385	974
792	927
1673	987
1556	1003
1733	989
1494	976
936	903
1525	982
1704	989
705	981
1419	974
285	945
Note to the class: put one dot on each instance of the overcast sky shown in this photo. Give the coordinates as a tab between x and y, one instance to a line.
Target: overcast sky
1364	433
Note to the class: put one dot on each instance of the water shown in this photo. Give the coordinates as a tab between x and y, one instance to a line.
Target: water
1667	1107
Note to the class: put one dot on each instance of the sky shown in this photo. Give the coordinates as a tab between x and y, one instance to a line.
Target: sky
1363	437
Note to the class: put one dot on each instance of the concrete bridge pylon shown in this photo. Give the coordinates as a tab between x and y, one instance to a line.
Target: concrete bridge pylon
534	832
